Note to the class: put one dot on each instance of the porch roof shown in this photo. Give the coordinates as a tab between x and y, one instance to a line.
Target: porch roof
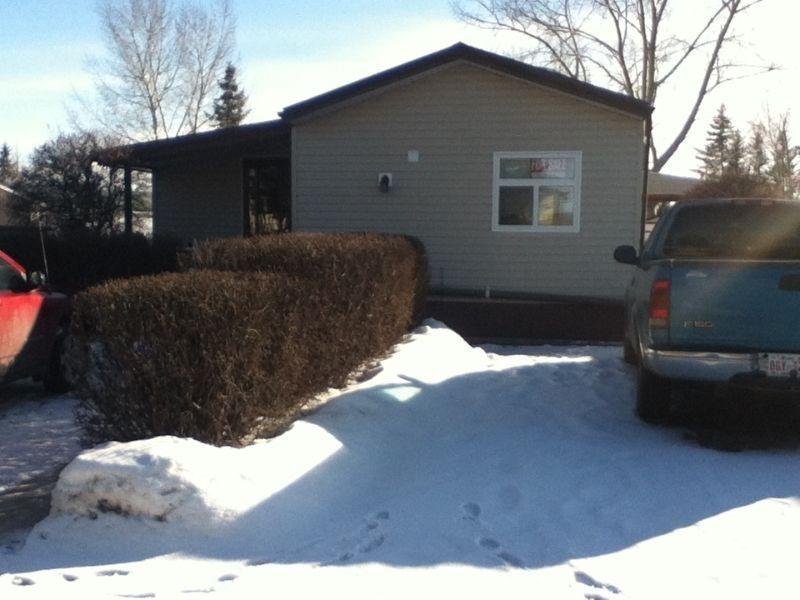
269	138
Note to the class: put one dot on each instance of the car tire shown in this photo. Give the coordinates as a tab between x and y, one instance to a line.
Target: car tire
55	379
653	396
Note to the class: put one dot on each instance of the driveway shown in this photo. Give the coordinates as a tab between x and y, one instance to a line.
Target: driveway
38	436
513	472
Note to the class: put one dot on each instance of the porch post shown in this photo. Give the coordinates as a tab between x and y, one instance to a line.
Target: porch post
128	201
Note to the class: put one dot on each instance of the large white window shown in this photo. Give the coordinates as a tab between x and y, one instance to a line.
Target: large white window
537	191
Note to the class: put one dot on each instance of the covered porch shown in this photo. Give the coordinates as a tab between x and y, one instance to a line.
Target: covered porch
221	183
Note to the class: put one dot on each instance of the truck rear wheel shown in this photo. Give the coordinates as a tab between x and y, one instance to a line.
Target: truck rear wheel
653	394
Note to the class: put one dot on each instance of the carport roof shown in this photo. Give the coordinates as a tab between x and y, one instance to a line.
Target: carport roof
271	138
489	60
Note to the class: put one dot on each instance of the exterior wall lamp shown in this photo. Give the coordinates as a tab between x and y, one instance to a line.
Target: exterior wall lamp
384	182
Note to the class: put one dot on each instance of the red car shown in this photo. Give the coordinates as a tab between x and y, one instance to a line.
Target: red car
33	324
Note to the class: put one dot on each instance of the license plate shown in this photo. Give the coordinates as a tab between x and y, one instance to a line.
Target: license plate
779	365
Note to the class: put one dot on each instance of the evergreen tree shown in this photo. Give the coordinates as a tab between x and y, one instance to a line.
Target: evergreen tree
735	163
229	106
9	169
783	171
757	153
716	154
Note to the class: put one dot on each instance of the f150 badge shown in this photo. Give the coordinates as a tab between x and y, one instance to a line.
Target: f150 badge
698	324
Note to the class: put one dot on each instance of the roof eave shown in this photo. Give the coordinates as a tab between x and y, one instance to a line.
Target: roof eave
148	154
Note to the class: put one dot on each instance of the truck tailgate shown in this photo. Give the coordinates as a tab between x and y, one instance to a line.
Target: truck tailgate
735	305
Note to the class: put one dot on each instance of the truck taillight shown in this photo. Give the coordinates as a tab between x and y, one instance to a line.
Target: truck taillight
659	303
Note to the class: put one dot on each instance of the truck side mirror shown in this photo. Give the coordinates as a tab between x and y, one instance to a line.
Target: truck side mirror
626	255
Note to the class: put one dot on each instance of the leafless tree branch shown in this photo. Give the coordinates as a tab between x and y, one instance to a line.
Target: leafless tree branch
161	62
628	43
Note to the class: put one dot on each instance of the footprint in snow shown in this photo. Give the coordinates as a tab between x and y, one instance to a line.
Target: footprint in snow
257	562
112	573
488	543
493	546
471	511
69	577
372	543
589	581
22	581
370	537
228	577
511	560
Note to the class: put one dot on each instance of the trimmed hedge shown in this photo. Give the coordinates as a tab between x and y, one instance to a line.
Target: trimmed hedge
78	260
220	355
337	258
381	279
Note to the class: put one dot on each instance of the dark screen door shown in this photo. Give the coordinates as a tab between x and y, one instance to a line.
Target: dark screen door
267	196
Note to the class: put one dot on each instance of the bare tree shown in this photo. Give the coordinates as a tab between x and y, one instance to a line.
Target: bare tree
626	42
160	67
782	168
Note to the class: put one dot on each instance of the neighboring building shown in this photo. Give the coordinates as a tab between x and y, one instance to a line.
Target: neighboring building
5	204
663	188
516	178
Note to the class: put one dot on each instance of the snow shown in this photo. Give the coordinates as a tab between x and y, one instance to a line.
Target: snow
36	436
482	472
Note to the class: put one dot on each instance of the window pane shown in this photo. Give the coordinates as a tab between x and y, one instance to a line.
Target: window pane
747	230
556	206
552	168
516	206
7	275
515	168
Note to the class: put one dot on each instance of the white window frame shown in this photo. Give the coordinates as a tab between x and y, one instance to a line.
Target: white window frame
536	183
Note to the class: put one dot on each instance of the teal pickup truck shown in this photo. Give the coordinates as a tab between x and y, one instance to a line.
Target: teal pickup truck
715	297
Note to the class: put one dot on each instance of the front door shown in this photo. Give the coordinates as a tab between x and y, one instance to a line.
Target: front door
267	196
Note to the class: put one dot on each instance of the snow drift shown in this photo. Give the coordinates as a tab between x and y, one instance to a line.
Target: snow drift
181	480
203	487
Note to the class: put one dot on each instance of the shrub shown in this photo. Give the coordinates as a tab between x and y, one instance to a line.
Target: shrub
81	259
221	355
382	279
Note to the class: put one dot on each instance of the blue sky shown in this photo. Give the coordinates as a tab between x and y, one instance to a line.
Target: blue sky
290	50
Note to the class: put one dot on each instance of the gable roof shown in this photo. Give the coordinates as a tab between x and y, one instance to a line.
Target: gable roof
463	52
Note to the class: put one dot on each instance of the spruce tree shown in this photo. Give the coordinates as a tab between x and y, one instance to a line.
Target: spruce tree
783	170
735	163
229	106
757	153
716	154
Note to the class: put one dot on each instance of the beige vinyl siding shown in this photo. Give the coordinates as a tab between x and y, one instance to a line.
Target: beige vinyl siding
5	213
199	198
457	117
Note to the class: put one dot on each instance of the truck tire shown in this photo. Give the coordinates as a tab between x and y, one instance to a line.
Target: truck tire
653	395
55	380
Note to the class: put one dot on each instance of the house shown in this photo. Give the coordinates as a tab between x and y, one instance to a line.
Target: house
518	180
6	194
663	188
